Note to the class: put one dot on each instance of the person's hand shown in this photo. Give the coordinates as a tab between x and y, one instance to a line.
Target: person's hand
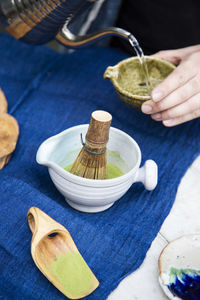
177	99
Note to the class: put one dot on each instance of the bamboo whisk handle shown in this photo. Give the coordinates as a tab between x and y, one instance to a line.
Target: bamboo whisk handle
98	130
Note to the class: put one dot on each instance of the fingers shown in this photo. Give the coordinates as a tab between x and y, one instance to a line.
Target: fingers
175	80
183	112
184	72
178	96
182	119
170	55
175	56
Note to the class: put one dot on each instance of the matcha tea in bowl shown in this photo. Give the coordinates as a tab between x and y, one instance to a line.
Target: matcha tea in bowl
59	152
130	81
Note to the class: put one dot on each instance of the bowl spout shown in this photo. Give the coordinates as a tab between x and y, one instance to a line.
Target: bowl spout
45	151
111	73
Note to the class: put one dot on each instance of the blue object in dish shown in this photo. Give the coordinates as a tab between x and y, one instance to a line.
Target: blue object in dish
185	283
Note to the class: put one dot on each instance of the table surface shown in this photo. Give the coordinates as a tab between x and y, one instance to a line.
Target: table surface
185	216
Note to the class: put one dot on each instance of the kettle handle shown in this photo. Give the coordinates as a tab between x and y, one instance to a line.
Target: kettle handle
67	38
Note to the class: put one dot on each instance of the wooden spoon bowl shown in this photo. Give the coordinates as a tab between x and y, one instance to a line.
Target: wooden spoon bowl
57	257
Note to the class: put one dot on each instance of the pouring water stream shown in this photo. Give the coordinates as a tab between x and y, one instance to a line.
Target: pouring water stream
134	43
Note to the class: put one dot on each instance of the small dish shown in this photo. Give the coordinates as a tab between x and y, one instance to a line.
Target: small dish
128	79
179	267
90	195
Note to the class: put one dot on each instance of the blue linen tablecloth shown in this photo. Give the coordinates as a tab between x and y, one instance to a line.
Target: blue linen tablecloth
47	93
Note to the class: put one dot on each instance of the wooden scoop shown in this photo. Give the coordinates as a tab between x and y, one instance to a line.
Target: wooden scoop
3	103
9	132
57	257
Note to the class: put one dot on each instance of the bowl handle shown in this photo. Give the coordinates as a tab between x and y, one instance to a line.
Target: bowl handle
148	175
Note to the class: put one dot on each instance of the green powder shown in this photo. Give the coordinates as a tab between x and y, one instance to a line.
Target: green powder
73	274
112	170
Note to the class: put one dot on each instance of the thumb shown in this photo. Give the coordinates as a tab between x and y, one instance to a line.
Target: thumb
172	56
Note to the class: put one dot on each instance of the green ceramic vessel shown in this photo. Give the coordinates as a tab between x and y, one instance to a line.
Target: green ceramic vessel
128	78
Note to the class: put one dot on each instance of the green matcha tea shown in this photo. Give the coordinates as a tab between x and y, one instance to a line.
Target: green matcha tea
112	171
73	274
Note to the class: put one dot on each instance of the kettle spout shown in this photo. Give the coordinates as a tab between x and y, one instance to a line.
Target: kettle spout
67	38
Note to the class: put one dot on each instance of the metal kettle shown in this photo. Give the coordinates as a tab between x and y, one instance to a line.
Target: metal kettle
40	21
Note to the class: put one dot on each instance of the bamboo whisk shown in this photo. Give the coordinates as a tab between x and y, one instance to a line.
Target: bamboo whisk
91	161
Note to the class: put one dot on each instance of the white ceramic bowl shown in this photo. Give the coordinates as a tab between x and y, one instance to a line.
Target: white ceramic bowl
91	195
